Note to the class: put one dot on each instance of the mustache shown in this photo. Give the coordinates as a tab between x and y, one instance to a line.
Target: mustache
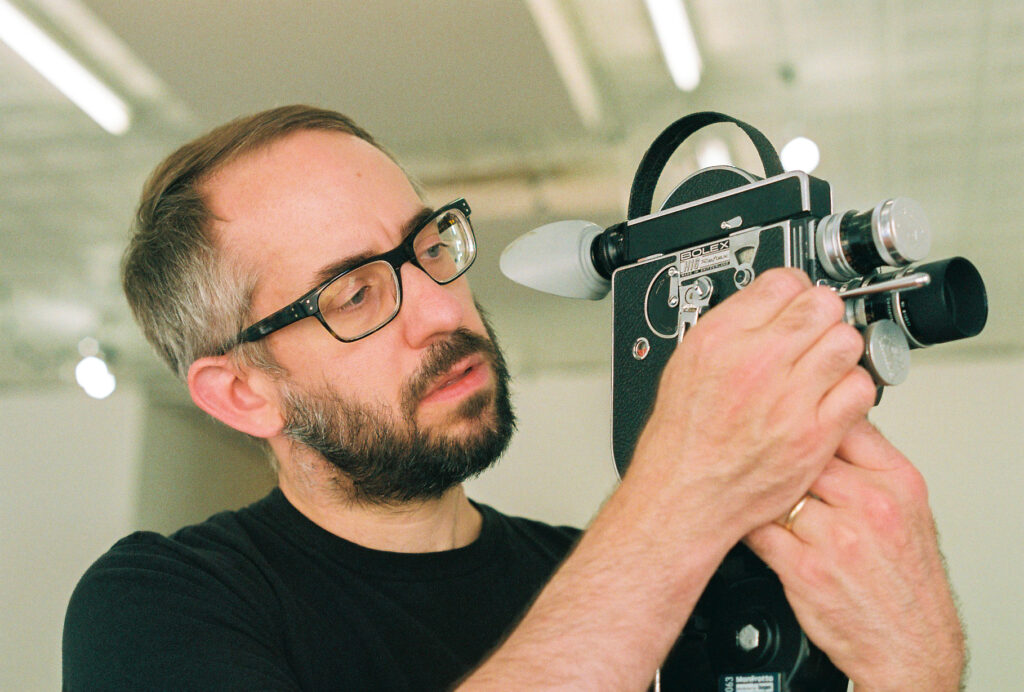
441	357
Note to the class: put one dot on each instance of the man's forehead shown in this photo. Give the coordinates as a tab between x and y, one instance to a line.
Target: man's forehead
306	201
303	165
309	178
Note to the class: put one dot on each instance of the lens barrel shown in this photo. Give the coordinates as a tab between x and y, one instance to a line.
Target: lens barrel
852	244
954	305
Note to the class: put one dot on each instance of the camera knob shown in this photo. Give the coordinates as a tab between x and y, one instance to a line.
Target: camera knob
886	352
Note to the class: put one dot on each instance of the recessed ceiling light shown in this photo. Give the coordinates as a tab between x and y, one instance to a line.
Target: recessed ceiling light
92	375
800	154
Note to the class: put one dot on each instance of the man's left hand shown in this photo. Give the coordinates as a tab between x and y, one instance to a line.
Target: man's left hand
862	570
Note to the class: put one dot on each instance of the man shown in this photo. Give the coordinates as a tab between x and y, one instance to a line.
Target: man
287	269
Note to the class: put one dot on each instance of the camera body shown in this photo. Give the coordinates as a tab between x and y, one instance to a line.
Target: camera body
716	232
725	227
773	222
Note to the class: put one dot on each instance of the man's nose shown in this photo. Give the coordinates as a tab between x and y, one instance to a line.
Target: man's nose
429	310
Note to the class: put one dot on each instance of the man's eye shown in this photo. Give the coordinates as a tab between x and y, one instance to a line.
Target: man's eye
434	251
356	299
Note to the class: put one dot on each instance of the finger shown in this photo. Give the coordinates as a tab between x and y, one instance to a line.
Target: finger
809	311
766	538
826	361
810	525
840	484
866	447
763	299
800	327
848	402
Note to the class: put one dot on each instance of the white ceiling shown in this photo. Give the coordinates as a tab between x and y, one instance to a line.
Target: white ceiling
922	99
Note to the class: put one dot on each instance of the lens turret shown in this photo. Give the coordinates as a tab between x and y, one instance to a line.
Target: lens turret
954	305
894	233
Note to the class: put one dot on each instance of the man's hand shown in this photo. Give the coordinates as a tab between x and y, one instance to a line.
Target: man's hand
862	570
753	404
750	408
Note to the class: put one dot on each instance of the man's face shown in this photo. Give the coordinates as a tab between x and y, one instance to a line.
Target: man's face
387	461
310	202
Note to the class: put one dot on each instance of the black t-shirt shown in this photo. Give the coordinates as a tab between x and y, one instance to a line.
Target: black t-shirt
264	599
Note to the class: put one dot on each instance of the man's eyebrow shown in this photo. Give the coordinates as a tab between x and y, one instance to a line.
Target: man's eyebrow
329	271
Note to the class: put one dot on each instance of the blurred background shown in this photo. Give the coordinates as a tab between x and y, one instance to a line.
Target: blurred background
535	111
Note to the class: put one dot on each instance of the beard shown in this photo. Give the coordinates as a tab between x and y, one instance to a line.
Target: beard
388	459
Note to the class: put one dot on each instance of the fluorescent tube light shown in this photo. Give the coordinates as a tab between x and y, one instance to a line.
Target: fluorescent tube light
678	44
64	72
565	51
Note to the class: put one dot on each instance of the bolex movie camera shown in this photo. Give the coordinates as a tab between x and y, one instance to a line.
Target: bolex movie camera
718	230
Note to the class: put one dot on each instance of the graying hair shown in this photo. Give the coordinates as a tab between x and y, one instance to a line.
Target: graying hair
189	299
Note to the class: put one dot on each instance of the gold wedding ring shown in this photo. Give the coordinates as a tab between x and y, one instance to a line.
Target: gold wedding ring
788	522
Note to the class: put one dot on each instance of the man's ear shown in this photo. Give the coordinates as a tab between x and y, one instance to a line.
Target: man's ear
242	399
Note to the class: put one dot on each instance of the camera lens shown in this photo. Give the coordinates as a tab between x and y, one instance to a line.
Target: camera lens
853	244
953	306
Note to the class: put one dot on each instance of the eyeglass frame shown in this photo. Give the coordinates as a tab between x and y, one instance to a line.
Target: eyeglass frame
309	304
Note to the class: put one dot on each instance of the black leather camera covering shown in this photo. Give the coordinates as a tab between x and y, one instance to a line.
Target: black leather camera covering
636	380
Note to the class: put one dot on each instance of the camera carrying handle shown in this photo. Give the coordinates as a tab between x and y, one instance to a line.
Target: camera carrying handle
641	194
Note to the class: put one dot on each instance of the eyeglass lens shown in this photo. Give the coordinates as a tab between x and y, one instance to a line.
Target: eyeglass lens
366	298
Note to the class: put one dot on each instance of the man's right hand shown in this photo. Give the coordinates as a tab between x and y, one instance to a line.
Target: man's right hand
750	408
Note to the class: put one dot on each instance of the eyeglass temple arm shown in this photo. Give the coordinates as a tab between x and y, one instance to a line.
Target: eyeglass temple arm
298	310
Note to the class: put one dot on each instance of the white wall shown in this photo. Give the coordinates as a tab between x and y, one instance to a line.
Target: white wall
78	474
960	422
191	467
68	469
559	466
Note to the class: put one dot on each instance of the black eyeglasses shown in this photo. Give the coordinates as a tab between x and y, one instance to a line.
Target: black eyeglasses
359	301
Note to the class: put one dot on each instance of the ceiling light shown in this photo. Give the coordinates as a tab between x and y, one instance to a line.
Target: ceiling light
713	152
92	375
800	154
678	44
64	72
568	58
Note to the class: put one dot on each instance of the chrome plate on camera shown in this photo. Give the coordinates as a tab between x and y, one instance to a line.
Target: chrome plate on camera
681	290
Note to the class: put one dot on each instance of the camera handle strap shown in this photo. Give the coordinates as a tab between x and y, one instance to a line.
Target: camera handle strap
641	194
